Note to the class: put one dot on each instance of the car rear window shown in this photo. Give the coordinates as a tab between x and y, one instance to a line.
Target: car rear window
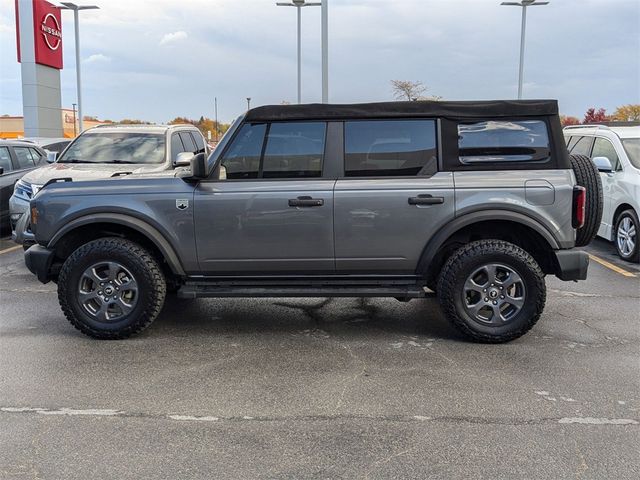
390	148
503	141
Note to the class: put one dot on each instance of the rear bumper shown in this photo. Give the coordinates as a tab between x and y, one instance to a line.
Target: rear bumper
38	260
572	264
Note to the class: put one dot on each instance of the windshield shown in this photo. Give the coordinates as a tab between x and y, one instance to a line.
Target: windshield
120	147
632	147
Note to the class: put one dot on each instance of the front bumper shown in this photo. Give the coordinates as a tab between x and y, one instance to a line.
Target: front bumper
572	264
38	260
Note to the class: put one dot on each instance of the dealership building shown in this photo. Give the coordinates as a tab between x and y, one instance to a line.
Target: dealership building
13	126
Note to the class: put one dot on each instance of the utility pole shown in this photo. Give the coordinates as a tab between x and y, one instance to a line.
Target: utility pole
248	103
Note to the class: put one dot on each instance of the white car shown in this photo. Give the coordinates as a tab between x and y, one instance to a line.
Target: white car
615	149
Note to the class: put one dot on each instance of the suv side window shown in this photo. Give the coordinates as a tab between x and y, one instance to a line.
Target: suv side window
242	159
35	155
176	146
582	146
571	141
294	150
23	155
5	159
187	141
199	142
500	141
604	148
390	148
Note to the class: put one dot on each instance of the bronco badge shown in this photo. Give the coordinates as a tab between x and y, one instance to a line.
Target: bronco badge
182	204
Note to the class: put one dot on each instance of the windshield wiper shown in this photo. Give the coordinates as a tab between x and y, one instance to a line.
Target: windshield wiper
116	160
73	160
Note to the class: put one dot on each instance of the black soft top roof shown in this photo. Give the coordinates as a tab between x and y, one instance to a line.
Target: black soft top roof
461	109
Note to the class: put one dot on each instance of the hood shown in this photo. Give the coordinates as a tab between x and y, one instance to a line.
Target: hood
85	171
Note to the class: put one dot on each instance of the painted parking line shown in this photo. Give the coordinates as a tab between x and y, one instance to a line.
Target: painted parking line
10	249
611	266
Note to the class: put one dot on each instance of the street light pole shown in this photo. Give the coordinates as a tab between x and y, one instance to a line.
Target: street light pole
325	51
76	9
215	107
299	4
75	133
248	103
524	4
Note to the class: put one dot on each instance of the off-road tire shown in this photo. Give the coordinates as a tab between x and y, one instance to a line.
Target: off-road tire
463	262
634	256
587	176
144	267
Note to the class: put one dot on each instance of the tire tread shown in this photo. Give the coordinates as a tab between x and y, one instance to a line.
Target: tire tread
153	273
449	275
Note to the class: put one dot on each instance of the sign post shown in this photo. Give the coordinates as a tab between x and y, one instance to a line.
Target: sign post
39	42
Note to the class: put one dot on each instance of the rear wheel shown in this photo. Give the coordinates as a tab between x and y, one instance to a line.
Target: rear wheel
111	288
626	236
587	176
492	291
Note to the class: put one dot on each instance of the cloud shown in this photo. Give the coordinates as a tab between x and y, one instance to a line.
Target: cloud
173	37
97	58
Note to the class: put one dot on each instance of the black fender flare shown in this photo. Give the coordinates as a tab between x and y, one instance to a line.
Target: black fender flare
434	244
149	231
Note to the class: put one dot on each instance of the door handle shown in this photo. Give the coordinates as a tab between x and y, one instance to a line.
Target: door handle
306	201
425	199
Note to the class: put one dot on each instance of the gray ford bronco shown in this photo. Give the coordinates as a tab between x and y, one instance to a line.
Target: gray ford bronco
474	202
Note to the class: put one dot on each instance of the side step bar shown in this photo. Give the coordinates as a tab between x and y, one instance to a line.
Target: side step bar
201	290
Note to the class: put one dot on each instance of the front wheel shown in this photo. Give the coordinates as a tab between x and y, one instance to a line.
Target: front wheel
626	236
492	291
111	288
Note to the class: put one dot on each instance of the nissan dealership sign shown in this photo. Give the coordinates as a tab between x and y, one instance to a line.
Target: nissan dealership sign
47	34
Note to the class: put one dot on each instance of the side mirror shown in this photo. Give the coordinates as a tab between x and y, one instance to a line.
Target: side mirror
199	166
51	156
183	159
603	164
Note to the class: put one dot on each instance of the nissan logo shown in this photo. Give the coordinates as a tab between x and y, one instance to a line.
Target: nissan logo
51	33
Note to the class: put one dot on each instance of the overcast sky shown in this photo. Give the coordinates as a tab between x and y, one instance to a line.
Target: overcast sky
157	59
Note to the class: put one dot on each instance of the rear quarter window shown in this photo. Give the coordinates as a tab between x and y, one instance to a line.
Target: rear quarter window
500	142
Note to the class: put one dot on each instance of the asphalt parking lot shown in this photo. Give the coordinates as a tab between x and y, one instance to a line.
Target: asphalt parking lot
313	388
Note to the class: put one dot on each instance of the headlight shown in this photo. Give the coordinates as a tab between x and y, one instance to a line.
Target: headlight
23	190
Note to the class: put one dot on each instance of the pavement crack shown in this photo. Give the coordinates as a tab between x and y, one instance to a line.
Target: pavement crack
113	413
386	460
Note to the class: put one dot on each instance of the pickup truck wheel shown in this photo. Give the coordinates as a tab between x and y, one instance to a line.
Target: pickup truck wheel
626	236
492	291
587	176
111	288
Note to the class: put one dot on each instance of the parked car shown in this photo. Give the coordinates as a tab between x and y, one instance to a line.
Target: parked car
16	159
102	152
476	201
54	145
615	149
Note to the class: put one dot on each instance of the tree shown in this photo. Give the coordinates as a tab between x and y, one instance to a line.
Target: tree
411	91
205	125
566	120
627	113
595	116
